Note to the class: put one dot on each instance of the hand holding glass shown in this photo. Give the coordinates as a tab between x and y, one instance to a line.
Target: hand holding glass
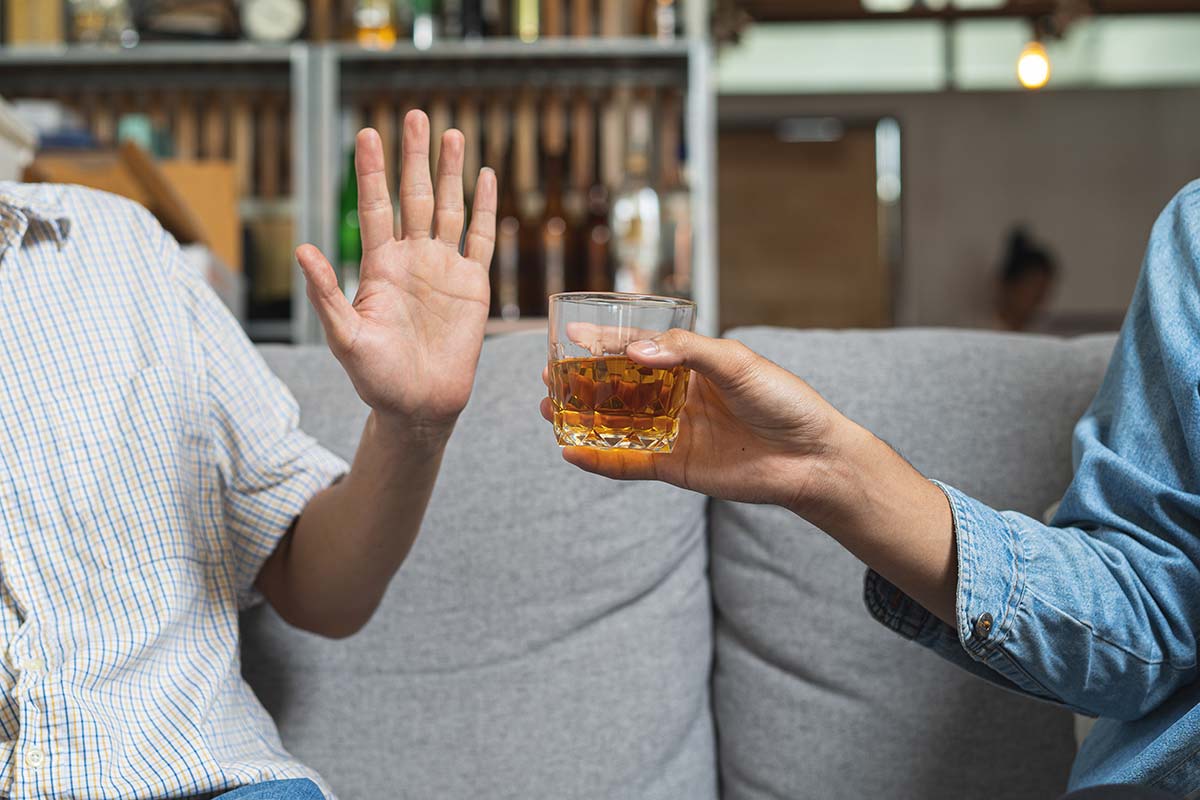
602	398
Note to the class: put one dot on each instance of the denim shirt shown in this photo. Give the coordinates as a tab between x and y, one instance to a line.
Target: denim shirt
1100	611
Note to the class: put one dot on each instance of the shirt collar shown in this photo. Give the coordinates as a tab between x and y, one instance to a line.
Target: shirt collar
22	202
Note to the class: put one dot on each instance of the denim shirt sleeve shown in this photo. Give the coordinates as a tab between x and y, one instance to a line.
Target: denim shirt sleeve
1100	610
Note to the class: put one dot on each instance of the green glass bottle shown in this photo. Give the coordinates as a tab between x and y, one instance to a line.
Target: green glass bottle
349	237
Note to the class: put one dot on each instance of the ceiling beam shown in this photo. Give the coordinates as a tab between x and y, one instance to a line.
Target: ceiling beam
850	10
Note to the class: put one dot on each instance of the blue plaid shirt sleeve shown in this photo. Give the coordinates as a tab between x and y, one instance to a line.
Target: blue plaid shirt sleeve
269	468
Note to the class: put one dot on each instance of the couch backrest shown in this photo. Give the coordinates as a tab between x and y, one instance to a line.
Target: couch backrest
548	637
812	698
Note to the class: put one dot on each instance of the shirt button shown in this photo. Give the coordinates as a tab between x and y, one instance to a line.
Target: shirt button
34	757
983	625
34	665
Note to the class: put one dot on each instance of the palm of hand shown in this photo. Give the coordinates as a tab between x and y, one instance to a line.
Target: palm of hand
411	339
422	309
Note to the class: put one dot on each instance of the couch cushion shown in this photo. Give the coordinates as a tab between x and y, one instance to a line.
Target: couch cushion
548	637
813	699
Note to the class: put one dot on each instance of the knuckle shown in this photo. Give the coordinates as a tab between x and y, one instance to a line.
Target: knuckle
742	362
417	191
676	339
371	204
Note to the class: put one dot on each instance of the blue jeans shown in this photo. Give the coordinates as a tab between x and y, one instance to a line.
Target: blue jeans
294	789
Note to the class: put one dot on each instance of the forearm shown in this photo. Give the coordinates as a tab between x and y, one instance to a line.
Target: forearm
881	509
331	571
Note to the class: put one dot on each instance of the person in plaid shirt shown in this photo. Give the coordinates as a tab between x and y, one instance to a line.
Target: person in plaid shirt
153	480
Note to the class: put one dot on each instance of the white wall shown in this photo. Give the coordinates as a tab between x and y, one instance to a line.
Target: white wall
1088	170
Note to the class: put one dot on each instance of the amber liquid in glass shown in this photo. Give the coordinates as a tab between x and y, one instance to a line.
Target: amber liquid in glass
613	403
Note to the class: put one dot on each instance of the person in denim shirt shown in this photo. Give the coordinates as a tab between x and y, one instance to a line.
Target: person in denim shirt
1098	611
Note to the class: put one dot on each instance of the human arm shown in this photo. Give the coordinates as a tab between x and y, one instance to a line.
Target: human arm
1097	612
409	342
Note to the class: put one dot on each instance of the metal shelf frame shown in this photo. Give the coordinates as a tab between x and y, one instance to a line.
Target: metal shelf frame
316	74
327	71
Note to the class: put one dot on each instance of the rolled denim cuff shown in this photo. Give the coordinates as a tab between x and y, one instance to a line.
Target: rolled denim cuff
991	573
991	582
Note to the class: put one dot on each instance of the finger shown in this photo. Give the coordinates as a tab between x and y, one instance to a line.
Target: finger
374	202
620	465
481	236
724	362
601	339
448	213
416	190
546	376
547	409
337	316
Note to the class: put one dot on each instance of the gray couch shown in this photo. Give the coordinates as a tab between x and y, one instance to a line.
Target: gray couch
558	636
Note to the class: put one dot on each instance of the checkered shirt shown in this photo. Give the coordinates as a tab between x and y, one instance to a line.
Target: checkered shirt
149	464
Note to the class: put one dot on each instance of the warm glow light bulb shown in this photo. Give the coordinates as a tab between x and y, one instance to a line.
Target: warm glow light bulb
1033	67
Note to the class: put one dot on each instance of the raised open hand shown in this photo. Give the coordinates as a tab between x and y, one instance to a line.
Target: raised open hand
410	340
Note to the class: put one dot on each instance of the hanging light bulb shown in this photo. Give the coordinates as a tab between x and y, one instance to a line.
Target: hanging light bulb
1033	66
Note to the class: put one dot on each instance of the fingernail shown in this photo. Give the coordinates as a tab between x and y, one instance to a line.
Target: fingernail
647	347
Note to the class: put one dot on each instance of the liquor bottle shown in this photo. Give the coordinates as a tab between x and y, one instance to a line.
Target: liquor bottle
526	23
423	25
598	242
664	20
186	133
439	123
676	260
320	20
213	136
575	197
241	143
530	202
635	217
554	224
472	20
349	238
382	116
552	18
495	20
453	17
581	18
504	272
612	17
374	24
600	257
467	114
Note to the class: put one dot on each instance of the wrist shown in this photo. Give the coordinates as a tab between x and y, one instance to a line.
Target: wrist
405	432
835	475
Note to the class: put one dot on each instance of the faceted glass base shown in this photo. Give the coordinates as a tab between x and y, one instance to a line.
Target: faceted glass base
658	437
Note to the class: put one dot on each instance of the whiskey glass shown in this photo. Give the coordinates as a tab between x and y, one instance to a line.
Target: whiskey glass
601	397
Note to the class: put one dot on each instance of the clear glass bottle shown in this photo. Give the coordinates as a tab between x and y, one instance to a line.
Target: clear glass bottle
636	216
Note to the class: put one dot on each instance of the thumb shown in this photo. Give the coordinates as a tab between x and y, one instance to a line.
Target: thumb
724	362
338	317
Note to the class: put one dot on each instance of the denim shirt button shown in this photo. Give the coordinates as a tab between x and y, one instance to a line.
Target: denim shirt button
983	625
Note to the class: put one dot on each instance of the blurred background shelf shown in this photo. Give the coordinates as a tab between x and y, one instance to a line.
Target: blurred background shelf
183	53
283	114
510	49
